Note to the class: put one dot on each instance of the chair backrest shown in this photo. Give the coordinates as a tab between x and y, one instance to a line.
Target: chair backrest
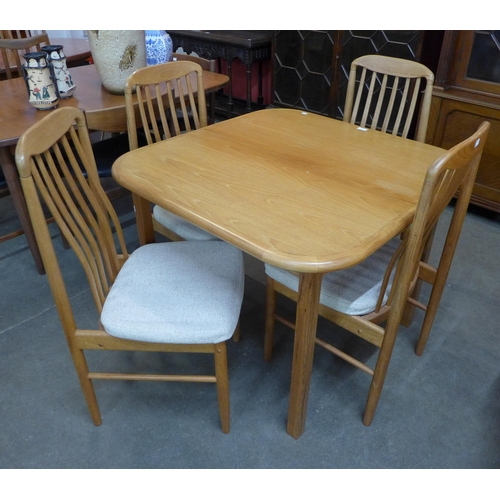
163	91
383	93
55	163
12	50
20	33
206	64
452	174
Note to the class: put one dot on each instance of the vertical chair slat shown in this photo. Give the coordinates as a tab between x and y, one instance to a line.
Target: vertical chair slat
182	99
171	103
390	105
368	102
401	108
413	104
380	101
359	94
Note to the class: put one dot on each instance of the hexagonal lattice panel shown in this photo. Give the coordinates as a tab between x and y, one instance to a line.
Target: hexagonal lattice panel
303	69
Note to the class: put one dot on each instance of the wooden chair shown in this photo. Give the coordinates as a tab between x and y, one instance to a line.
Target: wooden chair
20	33
12	50
159	107
383	92
206	65
376	291
168	297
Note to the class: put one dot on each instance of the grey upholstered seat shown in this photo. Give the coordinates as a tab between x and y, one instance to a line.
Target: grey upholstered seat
352	291
180	226
186	292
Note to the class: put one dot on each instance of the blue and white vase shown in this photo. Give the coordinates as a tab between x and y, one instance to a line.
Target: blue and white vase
159	47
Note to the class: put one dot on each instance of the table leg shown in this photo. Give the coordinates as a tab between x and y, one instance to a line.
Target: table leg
303	351
260	99
14	184
249	86
144	220
229	89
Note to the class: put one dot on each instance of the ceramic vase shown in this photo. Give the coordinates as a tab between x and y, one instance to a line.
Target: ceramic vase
40	81
55	55
159	47
116	55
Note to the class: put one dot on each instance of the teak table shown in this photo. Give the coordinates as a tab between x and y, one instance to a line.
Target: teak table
104	111
301	191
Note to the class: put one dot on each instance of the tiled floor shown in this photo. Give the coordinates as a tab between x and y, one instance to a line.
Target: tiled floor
438	411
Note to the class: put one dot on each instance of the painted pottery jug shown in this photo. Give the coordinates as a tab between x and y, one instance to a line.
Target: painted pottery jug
159	47
55	55
40	81
116	55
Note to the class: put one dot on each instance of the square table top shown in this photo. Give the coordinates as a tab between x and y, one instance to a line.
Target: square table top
294	189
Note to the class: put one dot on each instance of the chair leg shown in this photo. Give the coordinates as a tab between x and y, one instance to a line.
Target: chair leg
380	372
430	314
409	311
86	384
237	333
442	273
269	329
222	376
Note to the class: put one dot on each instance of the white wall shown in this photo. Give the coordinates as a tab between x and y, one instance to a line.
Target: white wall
66	33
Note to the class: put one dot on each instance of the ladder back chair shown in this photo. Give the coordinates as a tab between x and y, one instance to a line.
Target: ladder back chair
383	93
166	297
12	50
361	298
163	112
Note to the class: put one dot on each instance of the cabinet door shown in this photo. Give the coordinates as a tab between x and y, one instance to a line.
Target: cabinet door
457	121
478	63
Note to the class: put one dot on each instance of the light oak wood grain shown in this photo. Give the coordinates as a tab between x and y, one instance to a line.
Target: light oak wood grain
297	190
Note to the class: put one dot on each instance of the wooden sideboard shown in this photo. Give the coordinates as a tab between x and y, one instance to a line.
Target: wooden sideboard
247	46
467	92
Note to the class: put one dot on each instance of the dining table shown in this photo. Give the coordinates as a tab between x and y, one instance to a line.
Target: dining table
297	190
104	112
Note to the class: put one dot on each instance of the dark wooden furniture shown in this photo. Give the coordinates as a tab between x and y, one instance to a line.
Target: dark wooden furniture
311	68
466	92
247	46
